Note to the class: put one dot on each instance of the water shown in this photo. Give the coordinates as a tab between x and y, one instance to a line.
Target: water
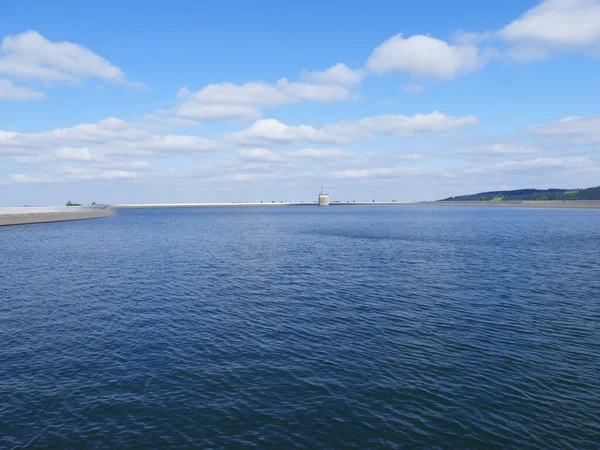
341	327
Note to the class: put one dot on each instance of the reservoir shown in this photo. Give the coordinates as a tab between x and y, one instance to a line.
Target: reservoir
362	327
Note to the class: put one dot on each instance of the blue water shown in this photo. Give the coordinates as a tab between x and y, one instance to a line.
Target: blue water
341	327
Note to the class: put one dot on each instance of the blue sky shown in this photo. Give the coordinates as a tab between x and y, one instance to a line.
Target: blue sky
134	101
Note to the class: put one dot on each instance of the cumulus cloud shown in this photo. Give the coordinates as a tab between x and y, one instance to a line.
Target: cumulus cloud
323	93
163	120
569	126
339	74
538	163
271	131
555	25
74	174
540	166
321	153
569	133
8	91
392	155
400	125
183	93
259	154
258	93
178	143
218	112
228	101
388	172
497	149
78	173
424	56
417	56
103	141
29	55
552	27
135	164
74	154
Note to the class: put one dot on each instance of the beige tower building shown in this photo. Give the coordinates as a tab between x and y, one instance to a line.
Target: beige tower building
323	199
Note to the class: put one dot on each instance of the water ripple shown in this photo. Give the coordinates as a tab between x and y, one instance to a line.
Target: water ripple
302	328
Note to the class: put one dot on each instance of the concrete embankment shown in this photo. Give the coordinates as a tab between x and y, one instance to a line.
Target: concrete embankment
29	215
513	204
206	205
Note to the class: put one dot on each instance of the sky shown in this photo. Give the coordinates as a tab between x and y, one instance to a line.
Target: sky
264	100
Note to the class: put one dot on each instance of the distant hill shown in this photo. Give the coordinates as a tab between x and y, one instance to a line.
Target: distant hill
530	194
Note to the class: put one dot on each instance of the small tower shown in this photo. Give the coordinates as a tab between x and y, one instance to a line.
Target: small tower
323	198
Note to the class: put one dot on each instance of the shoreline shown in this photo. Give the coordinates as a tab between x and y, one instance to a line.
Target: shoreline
552	204
572	204
33	215
47	214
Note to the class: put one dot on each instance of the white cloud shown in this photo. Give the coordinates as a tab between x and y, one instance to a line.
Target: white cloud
497	149
424	56
75	174
321	153
388	172
411	156
255	94
575	164
110	128
339	74
400	125
22	178
569	133
323	93
555	25
272	132
74	154
183	93
163	120
538	163
228	101
104	141
417	55
341	132
569	126
29	55
202	111
412	89
259	154
364	173
176	143
135	164
237	177
78	173
8	91
395	156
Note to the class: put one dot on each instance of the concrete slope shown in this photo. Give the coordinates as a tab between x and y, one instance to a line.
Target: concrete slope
27	215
